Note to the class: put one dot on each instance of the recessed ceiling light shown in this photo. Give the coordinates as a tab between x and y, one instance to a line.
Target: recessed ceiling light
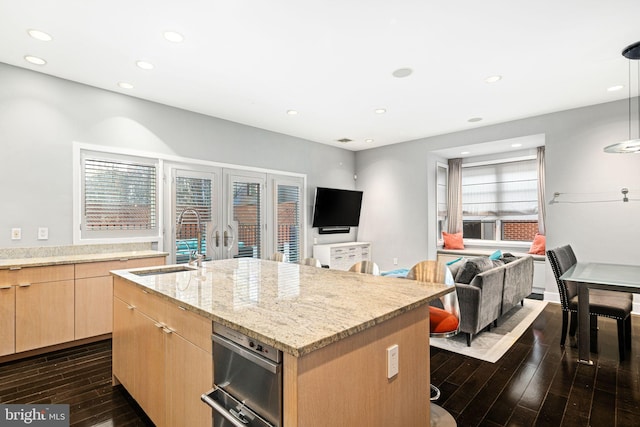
344	140
145	65
368	140
125	85
173	37
493	79
474	119
465	152
35	60
615	88
40	35
292	112
402	72
516	145
380	111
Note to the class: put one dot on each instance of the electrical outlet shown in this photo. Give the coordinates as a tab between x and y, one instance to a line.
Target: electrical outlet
395	261
16	233
392	361
43	233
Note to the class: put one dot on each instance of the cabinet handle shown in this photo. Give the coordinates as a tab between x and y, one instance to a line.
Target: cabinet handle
182	308
24	285
167	330
124	259
145	292
15	268
5	287
131	307
159	325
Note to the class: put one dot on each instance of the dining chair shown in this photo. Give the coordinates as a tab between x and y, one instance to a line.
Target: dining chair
612	304
444	313
314	262
368	267
278	256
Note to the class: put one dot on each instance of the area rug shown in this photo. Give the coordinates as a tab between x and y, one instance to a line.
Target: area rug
491	346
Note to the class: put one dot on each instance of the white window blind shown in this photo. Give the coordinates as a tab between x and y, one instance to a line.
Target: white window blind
288	221
500	190
119	196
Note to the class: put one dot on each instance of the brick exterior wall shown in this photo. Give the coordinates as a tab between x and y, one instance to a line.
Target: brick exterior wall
519	230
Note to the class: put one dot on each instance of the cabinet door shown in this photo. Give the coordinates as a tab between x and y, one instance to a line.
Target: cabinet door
7	320
44	314
185	383
150	368
124	349
93	306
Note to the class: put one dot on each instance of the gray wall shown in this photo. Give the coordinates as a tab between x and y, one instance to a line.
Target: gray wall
40	117
399	186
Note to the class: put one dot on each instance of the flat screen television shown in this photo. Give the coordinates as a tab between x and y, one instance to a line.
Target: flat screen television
336	208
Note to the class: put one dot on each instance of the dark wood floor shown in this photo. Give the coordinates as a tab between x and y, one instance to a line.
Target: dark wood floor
537	383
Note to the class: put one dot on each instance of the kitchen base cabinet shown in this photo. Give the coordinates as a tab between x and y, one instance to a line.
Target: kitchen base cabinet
124	351
162	356
93	307
94	293
7	320
184	386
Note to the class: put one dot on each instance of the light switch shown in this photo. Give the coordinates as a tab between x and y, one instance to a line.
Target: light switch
16	233
43	233
392	361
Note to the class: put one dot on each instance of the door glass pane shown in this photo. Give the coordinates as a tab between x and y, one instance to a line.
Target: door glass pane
192	214
288	221
247	217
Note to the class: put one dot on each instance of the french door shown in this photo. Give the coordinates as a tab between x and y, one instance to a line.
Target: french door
232	213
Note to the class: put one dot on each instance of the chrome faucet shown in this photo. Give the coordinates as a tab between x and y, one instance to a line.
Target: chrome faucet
198	256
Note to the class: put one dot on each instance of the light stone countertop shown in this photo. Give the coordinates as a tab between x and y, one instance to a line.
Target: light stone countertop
40	261
295	308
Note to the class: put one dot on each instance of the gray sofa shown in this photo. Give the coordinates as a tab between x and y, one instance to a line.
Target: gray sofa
488	289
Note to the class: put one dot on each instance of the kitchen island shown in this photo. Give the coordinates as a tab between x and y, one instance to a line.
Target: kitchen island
333	327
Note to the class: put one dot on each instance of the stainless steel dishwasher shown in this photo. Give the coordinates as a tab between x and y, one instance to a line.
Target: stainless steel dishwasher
247	381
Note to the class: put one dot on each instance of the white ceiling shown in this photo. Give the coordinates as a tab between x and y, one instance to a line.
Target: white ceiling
249	61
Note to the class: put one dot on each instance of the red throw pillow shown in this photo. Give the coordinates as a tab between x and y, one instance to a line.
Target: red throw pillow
452	241
538	245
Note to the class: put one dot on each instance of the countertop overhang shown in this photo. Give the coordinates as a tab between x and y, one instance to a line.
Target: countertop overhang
295	308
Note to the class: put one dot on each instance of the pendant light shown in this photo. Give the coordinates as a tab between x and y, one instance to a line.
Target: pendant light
631	145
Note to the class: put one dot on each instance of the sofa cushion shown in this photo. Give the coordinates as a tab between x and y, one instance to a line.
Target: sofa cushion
471	268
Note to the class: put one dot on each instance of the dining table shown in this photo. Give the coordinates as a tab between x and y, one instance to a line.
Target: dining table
598	275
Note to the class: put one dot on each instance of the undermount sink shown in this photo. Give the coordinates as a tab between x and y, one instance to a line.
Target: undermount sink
164	270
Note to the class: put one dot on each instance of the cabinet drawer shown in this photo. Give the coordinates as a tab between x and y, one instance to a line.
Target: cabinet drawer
194	328
143	301
50	273
102	268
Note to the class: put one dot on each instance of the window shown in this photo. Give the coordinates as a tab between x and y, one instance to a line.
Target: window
500	200
441	197
119	197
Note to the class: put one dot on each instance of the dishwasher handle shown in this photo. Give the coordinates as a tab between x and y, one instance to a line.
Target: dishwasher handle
237	415
222	411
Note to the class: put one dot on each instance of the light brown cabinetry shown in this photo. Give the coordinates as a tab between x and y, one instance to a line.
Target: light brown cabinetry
42	306
7	319
162	356
94	294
